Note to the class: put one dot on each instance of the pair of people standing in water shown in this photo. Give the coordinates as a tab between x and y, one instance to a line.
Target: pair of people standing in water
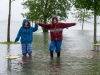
56	30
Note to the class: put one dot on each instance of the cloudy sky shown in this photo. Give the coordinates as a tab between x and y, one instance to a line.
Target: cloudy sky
17	9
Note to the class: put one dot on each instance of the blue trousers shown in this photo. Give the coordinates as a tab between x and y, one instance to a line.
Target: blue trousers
55	45
26	48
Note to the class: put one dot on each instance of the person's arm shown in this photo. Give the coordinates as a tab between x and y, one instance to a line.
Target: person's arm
44	25
18	35
66	25
35	28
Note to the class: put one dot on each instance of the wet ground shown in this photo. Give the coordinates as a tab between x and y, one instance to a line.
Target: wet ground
77	57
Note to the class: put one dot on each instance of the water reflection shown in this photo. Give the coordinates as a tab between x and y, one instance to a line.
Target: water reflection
9	64
27	66
55	66
8	50
8	54
9	61
41	43
45	38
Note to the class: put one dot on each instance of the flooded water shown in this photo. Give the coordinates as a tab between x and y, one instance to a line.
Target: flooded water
77	57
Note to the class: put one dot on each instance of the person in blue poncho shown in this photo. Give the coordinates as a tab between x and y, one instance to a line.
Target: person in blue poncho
26	34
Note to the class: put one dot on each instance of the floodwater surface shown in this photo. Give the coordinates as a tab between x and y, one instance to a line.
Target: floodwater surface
77	57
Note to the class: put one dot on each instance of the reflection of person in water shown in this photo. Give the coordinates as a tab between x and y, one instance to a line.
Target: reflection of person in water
56	29
55	66
27	66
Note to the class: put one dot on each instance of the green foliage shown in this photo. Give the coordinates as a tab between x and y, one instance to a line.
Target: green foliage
92	5
97	42
87	4
43	10
82	14
11	42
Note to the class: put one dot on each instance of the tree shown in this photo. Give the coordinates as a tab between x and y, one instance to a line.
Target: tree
8	30
82	15
43	10
92	5
9	18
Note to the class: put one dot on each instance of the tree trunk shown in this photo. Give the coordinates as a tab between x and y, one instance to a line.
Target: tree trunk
45	16
83	19
82	23
8	29
44	29
95	22
95	29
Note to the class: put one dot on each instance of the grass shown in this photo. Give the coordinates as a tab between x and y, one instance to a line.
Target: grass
11	42
98	41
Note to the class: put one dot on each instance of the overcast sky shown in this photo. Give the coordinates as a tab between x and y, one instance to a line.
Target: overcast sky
17	9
